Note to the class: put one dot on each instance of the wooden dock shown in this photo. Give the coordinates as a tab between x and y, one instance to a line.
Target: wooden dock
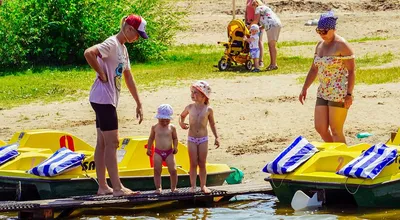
44	209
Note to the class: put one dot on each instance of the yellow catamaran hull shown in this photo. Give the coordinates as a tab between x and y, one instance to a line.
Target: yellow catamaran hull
135	167
318	174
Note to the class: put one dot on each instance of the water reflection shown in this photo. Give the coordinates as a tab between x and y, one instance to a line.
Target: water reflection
257	206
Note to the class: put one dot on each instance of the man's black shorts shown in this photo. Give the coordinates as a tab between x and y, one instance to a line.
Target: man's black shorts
106	116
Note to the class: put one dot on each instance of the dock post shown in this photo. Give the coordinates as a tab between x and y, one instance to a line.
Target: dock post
233	9
36	214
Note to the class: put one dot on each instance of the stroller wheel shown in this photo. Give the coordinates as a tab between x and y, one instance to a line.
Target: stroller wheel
249	65
223	65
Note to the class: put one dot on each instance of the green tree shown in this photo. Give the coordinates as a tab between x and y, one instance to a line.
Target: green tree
56	32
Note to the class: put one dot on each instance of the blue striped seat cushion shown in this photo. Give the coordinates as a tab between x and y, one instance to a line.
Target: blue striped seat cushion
8	152
298	152
370	163
61	161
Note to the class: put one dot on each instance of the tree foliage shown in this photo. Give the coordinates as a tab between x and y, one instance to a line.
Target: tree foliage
56	32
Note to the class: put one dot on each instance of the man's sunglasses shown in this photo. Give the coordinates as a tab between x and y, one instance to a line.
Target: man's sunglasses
321	31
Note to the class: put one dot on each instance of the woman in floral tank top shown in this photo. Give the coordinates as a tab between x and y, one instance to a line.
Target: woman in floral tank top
334	65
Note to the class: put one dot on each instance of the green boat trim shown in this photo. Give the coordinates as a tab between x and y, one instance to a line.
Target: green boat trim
333	193
273	181
384	195
31	189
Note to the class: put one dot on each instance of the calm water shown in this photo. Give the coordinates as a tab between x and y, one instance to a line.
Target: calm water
242	207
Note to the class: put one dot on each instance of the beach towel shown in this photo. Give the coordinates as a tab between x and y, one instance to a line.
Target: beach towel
8	152
370	163
298	152
61	161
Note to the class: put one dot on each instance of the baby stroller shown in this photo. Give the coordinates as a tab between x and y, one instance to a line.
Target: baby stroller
237	49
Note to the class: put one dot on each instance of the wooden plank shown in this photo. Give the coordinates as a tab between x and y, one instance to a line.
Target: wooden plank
145	197
245	188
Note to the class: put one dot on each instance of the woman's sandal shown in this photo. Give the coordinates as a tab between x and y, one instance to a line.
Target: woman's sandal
269	68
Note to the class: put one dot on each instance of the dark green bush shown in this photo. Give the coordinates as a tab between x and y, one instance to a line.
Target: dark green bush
56	32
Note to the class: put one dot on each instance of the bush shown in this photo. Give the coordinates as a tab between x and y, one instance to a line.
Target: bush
56	32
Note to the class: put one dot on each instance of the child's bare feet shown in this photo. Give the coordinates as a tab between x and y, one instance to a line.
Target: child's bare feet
205	190
192	189
158	191
125	192
105	191
174	190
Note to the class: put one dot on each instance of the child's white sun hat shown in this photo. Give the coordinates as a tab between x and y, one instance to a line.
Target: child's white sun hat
254	27
164	111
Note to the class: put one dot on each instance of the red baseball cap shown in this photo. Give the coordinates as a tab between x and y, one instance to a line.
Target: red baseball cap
138	23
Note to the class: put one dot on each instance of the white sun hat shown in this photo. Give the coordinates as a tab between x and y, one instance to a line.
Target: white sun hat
203	87
255	27
164	111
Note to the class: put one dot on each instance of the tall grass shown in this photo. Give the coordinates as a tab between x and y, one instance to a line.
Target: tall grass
373	76
295	43
43	84
180	63
365	39
302	43
378	76
369	60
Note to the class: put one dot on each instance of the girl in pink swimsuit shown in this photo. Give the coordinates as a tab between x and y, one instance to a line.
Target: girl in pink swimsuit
200	114
166	139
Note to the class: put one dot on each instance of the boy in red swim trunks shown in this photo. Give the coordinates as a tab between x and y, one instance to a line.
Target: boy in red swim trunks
166	139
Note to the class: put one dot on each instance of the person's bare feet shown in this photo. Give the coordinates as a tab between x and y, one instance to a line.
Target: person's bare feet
192	189
106	191
124	192
158	191
205	190
174	190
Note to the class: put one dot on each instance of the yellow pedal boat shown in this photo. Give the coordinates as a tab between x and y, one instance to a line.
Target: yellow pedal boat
318	174
135	167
